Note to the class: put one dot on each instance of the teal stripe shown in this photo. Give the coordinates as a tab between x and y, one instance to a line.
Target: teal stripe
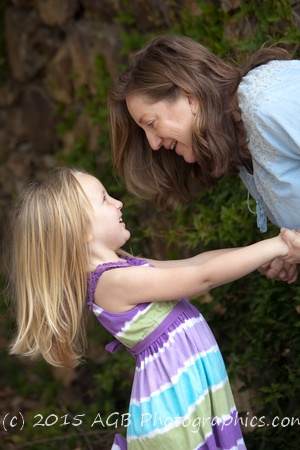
175	400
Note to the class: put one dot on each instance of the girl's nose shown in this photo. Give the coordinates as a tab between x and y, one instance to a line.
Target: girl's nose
119	204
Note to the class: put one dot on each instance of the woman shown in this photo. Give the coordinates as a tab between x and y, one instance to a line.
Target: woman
181	118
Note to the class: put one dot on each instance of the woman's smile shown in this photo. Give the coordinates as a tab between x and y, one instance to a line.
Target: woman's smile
166	124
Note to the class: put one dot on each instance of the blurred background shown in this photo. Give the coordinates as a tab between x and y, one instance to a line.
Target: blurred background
57	61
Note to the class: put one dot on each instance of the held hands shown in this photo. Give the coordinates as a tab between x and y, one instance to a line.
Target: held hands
292	239
286	267
280	270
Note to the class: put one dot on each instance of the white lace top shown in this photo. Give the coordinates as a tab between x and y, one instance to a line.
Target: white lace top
269	98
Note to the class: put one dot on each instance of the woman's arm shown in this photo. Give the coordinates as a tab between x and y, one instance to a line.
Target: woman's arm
120	289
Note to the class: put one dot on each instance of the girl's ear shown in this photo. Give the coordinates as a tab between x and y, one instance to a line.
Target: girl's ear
194	102
88	238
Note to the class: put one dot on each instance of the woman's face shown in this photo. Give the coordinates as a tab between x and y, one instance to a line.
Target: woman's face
166	124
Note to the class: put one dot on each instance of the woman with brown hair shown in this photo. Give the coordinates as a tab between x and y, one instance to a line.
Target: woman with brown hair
181	118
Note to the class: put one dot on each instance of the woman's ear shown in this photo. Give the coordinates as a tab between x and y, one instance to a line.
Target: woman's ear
194	102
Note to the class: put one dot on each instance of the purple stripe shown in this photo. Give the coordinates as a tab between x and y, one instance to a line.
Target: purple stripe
149	379
227	434
114	322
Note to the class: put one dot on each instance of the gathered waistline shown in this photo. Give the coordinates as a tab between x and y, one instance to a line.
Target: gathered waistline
178	309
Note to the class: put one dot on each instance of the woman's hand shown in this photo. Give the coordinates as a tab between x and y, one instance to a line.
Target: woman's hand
292	239
280	270
285	268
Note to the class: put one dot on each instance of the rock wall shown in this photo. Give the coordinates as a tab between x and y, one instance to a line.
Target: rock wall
50	50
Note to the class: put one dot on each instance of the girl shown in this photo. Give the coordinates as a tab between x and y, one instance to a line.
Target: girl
67	235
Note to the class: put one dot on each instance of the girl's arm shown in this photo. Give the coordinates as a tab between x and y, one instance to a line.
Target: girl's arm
276	269
188	262
120	289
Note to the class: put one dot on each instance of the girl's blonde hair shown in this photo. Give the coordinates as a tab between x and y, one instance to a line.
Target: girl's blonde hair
49	267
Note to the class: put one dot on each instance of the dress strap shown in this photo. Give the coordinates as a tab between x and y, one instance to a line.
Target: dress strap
92	280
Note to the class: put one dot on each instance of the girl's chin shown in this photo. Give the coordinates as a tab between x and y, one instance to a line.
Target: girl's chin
128	236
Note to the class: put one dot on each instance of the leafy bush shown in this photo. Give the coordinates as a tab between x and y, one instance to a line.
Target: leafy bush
256	321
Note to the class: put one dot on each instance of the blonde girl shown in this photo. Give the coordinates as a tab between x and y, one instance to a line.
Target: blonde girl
65	255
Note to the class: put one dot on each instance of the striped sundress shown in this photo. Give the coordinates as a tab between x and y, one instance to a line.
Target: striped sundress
181	397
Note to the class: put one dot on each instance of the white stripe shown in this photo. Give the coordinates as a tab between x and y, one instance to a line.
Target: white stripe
187	324
175	378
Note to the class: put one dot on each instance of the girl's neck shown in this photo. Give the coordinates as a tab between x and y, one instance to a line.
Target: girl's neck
109	256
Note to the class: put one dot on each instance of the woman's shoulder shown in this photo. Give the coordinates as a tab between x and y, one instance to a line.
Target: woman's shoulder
274	72
274	83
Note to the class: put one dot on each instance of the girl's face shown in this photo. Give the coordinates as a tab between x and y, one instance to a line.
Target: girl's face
166	124
108	231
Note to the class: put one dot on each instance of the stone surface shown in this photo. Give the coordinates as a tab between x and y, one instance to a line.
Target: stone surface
56	12
51	51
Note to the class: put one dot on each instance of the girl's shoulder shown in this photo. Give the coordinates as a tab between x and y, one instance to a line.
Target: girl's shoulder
93	277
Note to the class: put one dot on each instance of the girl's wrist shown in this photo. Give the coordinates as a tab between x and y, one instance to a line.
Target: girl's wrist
284	248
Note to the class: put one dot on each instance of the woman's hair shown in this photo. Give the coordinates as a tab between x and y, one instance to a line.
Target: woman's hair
158	72
49	267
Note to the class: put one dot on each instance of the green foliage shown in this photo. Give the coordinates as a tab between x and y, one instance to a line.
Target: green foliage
273	20
3	57
206	27
256	321
94	107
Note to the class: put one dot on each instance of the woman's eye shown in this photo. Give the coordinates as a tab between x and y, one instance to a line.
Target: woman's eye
151	124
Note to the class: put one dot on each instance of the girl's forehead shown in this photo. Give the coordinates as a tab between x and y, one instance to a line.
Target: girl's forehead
88	182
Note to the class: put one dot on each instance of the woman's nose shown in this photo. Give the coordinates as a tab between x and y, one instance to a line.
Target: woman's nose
155	142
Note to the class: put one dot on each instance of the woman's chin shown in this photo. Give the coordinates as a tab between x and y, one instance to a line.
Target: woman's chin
189	158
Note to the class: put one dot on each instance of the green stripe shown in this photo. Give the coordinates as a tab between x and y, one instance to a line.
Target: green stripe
146	322
192	433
